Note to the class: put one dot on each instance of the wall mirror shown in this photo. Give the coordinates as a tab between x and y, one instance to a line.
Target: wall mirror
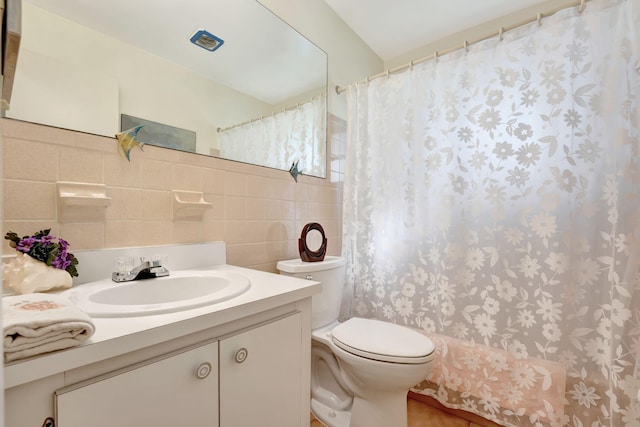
252	89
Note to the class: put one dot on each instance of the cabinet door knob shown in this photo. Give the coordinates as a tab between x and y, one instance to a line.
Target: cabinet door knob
203	370
241	355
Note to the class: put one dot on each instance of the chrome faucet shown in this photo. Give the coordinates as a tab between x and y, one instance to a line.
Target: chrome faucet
147	269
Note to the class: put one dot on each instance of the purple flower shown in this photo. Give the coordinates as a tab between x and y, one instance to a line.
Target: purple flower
50	250
47	241
61	262
25	245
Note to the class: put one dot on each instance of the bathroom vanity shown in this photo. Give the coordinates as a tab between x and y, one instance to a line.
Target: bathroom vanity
240	362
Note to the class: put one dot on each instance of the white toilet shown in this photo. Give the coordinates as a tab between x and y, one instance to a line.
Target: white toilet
362	369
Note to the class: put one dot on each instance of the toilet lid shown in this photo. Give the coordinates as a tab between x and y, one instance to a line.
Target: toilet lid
382	341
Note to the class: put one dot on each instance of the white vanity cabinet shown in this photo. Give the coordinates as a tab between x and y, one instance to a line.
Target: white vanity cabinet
248	377
260	375
179	389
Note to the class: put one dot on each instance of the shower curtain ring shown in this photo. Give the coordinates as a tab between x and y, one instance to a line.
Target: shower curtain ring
387	73
435	55
539	18
500	33
466	46
411	64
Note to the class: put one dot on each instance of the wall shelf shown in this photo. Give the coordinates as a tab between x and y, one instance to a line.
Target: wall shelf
82	202
189	205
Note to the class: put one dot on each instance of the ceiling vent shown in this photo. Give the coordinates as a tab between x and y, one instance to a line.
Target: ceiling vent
206	40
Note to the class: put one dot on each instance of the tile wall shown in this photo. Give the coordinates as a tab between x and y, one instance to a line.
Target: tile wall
259	212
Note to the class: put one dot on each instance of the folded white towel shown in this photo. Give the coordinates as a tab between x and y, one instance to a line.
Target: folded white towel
39	323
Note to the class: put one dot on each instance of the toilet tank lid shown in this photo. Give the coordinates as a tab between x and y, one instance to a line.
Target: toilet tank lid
382	338
299	266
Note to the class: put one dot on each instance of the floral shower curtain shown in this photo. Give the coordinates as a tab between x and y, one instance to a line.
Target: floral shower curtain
492	200
279	140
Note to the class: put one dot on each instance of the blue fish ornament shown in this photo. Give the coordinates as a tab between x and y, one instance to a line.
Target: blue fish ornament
127	140
294	171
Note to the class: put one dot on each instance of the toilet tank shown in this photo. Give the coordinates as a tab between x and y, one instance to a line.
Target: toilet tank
330	272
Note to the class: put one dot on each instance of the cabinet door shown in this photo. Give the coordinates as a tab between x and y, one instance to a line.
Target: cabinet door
260	375
179	390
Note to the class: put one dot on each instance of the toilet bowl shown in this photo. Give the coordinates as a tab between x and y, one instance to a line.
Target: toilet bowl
361	369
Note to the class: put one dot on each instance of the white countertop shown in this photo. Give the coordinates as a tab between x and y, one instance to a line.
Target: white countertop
117	336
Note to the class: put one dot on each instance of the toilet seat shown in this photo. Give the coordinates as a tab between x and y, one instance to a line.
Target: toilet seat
382	341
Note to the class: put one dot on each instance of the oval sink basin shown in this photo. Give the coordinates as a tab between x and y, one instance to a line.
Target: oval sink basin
179	291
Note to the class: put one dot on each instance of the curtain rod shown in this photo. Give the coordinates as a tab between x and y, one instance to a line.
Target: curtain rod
284	110
466	44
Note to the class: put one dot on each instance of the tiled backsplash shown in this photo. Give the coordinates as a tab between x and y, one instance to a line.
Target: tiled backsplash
259	212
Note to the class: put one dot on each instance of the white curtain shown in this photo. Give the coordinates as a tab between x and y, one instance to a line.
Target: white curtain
296	135
492	201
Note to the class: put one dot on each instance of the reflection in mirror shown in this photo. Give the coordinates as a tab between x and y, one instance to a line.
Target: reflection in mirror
84	65
296	134
314	240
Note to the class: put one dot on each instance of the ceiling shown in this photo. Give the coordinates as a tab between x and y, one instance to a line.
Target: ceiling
272	63
391	28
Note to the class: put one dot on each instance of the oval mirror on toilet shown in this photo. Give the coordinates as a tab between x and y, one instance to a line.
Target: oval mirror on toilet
312	243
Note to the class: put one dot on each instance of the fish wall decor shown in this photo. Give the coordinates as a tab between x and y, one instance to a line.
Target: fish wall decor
128	139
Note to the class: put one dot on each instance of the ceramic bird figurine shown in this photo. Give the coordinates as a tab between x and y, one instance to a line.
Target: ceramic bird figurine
127	140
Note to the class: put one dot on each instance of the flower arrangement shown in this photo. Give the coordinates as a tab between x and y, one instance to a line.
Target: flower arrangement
51	250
